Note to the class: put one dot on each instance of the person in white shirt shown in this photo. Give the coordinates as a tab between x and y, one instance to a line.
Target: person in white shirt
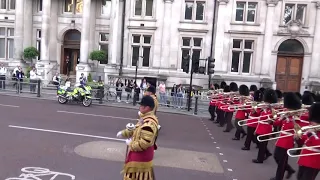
33	80
56	80
162	93
3	73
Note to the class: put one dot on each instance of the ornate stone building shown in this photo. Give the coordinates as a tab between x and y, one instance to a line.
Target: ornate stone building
158	34
270	42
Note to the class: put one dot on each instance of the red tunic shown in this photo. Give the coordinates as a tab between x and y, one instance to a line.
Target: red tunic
263	126
242	113
314	160
253	122
285	142
214	100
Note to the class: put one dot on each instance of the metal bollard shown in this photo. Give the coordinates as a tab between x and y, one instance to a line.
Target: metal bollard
196	106
38	92
134	99
18	86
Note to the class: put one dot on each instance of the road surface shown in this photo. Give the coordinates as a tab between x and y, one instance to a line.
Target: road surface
71	141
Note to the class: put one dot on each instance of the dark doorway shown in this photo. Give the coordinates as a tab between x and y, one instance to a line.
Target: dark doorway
70	49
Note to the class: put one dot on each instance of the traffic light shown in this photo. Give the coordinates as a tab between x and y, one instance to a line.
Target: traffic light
211	66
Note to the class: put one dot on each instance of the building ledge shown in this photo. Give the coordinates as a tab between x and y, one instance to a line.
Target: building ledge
193	30
244	24
245	32
142	27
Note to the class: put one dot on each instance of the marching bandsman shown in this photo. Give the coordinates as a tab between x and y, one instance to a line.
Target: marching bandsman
229	114
151	91
280	100
309	165
291	103
299	95
141	144
212	104
254	113
269	97
241	114
253	88
220	113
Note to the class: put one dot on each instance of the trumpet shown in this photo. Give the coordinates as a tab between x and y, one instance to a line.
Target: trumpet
311	148
293	113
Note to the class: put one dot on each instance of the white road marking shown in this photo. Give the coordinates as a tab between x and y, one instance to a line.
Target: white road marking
218	147
229	169
35	172
212	137
210	134
214	142
7	105
221	154
96	115
68	133
225	161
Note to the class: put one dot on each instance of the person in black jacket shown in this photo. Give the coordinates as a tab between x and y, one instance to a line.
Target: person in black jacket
19	77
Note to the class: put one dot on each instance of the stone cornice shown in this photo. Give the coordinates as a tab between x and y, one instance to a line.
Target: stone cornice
223	1
272	2
168	1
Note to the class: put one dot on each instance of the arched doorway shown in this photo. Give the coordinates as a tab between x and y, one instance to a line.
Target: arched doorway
289	66
70	50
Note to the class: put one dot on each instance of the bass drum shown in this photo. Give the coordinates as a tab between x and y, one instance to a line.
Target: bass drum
86	102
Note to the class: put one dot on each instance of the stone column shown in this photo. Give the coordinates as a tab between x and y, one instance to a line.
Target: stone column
28	31
83	66
268	34
18	30
220	31
45	30
43	66
315	58
114	30
166	28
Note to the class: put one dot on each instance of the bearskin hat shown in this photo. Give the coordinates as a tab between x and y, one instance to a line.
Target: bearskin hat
253	88
313	95
299	95
223	84
270	96
317	98
279	94
216	86
244	90
233	87
226	88
307	98
262	89
257	96
151	89
291	101
314	113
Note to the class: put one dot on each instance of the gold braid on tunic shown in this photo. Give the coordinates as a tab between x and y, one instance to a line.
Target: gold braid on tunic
143	137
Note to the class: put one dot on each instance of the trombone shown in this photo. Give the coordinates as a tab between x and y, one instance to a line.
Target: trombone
291	151
268	117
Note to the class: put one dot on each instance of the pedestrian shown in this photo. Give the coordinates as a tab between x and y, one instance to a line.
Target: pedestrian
19	79
3	74
162	93
68	65
119	86
174	96
33	80
128	89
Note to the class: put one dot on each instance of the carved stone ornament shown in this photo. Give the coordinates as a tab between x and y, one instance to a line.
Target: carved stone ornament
294	28
223	1
272	2
318	4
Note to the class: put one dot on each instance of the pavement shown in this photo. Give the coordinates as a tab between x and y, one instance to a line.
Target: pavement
75	142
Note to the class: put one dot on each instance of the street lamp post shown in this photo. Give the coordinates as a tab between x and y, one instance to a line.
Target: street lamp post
135	81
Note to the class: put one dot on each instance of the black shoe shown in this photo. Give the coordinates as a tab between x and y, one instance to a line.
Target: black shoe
211	119
289	174
243	135
267	156
245	148
236	139
257	161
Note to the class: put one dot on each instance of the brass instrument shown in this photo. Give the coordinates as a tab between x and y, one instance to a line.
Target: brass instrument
291	152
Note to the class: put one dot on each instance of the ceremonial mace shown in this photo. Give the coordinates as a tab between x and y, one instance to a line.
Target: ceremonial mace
129	127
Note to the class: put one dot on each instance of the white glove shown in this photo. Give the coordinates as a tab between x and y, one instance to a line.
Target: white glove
128	141
139	113
119	134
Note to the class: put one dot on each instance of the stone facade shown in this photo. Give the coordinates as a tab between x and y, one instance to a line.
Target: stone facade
161	25
265	25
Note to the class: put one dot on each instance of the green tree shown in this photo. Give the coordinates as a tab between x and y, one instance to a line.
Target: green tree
98	55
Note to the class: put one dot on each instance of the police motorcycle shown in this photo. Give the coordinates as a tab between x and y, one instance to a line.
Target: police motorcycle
77	95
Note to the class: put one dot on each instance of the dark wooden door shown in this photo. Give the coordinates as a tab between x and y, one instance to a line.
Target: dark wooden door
288	73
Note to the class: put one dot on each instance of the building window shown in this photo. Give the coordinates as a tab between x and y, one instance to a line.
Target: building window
242	53
143	8
194	10
103	45
141	49
8	4
39	5
38	40
294	12
73	6
191	53
6	43
246	12
106	7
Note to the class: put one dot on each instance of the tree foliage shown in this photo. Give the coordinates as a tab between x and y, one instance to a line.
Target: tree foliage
98	55
30	53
